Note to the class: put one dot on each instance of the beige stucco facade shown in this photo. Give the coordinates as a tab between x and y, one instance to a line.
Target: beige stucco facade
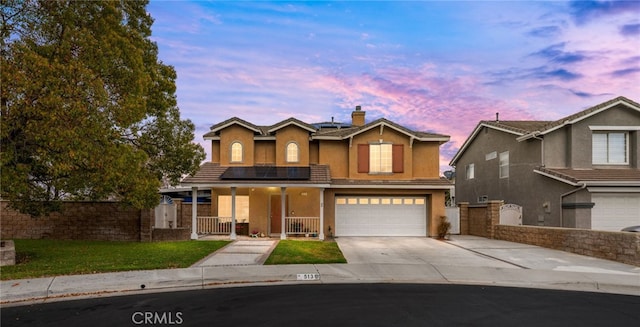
335	149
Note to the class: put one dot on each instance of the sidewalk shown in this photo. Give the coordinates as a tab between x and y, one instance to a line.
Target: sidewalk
211	274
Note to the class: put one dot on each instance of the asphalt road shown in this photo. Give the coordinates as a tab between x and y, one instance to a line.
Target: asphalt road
339	305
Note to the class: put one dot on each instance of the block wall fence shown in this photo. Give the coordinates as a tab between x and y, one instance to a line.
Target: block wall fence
100	221
484	220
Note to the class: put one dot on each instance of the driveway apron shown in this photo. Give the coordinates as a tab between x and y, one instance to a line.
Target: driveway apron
411	250
240	253
473	251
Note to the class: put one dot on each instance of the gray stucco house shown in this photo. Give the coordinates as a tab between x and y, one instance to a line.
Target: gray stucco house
581	171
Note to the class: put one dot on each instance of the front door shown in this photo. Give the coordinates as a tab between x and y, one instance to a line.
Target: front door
276	213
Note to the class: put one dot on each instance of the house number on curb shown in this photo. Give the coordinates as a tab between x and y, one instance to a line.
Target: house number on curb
308	276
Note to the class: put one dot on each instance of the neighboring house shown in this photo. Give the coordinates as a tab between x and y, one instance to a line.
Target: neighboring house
358	179
581	171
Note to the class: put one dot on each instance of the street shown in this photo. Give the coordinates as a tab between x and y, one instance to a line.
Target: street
339	305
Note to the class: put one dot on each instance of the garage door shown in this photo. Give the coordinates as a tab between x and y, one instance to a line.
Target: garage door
614	211
381	216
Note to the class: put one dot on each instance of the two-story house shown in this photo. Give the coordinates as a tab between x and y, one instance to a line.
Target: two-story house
581	171
357	179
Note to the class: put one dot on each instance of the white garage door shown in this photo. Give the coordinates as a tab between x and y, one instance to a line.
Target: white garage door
381	216
615	211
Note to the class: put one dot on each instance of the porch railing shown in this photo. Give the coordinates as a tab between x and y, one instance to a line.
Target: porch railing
302	225
214	225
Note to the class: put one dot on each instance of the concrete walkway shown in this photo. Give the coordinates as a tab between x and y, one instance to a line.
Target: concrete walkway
240	253
502	264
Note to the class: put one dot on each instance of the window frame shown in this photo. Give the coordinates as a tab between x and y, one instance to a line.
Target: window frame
607	134
231	152
470	171
382	161
286	152
242	207
502	165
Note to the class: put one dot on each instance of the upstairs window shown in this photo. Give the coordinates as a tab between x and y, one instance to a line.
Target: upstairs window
504	164
380	158
236	152
610	148
293	153
471	171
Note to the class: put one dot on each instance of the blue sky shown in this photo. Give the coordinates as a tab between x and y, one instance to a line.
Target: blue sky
436	66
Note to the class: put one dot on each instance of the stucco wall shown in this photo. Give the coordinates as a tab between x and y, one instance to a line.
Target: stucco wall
336	155
294	134
265	152
236	133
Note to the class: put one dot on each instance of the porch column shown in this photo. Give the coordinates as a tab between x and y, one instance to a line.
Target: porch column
233	235
321	235
283	210
194	213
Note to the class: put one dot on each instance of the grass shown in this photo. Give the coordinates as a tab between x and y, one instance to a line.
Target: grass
299	252
43	258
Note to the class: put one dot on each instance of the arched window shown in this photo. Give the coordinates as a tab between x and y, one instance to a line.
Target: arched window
293	154
236	152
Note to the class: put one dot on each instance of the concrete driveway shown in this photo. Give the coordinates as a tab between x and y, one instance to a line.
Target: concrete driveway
472	251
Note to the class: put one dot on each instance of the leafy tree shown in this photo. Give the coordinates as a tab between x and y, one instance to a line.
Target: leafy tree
88	110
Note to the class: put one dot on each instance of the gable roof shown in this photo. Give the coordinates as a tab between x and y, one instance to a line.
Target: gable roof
291	121
229	122
345	133
574	118
524	129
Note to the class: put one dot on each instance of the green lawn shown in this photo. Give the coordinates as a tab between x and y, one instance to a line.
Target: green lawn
42	258
294	252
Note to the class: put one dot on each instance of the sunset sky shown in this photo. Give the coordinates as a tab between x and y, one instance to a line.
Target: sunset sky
434	66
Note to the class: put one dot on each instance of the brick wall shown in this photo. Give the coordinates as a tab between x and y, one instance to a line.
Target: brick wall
184	212
617	246
79	221
479	219
483	220
174	234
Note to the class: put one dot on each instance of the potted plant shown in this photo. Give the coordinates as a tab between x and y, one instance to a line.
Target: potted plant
443	228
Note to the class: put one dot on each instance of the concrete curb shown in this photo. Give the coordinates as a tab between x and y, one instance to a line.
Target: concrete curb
21	292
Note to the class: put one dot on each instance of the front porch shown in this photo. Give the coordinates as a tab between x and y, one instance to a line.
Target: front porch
294	226
259	211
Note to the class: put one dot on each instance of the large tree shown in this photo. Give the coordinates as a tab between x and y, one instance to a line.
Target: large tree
88	110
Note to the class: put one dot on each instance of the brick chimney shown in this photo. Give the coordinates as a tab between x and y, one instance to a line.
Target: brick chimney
357	117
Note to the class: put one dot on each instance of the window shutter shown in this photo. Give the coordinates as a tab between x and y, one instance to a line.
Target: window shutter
363	158
398	158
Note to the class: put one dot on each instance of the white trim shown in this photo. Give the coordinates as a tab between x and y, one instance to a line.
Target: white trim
232	123
212	138
291	123
249	185
384	124
194	213
614	128
597	189
569	122
395	187
471	137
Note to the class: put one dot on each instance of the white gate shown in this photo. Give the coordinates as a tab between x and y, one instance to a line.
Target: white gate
453	216
166	213
510	214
